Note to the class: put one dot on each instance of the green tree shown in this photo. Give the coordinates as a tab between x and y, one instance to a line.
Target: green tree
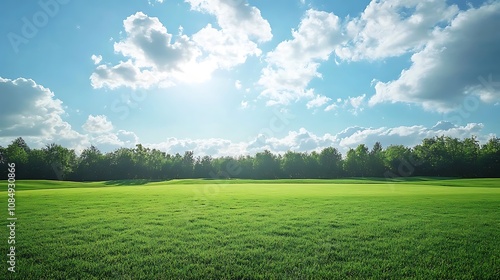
266	165
398	161
375	163
293	165
246	165
38	165
470	157
18	152
187	164
202	167
121	163
90	165
61	159
330	163
175	164
489	158
356	162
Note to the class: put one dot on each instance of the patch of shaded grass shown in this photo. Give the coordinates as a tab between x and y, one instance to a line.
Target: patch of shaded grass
428	181
132	182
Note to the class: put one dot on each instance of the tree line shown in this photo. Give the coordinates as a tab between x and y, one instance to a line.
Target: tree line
437	156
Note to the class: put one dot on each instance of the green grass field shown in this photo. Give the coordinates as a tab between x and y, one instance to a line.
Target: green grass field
421	228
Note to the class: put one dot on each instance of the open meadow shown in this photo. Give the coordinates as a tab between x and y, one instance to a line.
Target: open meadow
241	229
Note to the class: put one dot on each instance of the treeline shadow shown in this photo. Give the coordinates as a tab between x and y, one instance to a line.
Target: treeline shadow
131	182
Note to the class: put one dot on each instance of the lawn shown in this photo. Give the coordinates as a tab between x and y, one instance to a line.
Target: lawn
422	228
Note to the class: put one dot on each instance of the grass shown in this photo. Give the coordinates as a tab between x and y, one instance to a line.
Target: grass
240	229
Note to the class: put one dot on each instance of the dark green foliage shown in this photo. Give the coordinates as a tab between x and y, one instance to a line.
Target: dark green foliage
438	156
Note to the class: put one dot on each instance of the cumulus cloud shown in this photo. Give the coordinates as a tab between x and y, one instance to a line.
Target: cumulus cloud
351	137
109	141
201	147
237	84
31	111
299	141
460	59
444	41
103	135
385	29
96	59
407	135
151	2
244	104
356	103
236	16
241	28
393	27
306	141
294	63
453	54
155	58
97	124
353	104
332	107
318	101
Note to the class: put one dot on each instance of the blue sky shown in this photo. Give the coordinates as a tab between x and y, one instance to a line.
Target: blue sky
231	77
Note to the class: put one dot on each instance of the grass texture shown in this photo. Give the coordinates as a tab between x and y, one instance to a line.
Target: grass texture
422	228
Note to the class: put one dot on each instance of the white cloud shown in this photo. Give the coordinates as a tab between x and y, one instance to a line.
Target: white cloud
96	59
430	29
356	103
331	107
335	106
31	111
433	30
104	136
353	104
393	27
294	63
241	28
237	84
202	147
236	17
299	141
306	141
97	124
109	141
460	59
244	104
407	135
154	59
153	2
318	101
